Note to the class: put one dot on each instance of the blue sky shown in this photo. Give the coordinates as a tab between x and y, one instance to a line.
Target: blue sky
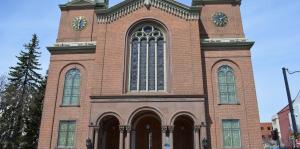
272	24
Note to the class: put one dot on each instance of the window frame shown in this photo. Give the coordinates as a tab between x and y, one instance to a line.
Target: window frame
69	102
226	84
59	130
129	39
231	129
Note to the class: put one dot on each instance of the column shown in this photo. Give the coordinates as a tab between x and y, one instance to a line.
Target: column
96	138
163	136
133	135
127	138
171	129
122	130
197	136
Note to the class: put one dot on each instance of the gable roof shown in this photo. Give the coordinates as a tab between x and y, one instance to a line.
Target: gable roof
284	109
128	6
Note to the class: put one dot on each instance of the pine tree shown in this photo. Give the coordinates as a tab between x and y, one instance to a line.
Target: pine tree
3	82
30	139
19	95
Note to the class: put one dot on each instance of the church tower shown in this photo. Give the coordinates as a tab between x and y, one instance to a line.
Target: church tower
150	74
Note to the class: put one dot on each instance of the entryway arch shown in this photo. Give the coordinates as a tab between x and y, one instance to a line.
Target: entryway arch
109	133
146	131
183	132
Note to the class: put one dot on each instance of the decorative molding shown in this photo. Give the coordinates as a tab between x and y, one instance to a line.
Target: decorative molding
147	98
226	43
203	124
72	47
126	7
209	2
68	44
164	129
171	128
128	128
197	127
122	128
138	96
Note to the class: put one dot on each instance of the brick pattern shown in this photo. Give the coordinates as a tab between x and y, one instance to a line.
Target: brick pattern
246	111
190	71
285	126
266	129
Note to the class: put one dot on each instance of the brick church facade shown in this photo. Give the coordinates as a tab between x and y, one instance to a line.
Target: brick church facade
150	74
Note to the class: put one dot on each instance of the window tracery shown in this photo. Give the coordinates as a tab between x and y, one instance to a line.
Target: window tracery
72	87
147	52
227	86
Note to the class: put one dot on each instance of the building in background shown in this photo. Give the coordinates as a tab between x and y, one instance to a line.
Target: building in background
276	125
283	122
150	74
266	129
285	127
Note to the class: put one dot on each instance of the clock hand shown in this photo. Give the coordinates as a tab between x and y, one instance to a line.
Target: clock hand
80	23
222	18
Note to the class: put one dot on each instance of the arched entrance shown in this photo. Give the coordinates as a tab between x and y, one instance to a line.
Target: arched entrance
183	133
109	133
146	132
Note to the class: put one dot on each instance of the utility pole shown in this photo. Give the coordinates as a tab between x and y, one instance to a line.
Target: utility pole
284	70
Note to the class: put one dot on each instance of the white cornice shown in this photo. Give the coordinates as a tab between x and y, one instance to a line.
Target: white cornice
73	47
226	43
224	40
74	44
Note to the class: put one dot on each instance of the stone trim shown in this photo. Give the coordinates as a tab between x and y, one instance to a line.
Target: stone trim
226	43
164	128
128	128
171	128
210	2
122	128
203	124
126	7
197	127
145	96
72	48
148	100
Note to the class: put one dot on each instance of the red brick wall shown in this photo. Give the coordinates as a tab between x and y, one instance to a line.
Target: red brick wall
283	117
104	72
234	28
266	129
246	111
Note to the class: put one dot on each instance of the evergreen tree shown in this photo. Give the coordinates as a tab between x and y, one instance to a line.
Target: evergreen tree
30	139
2	85
19	96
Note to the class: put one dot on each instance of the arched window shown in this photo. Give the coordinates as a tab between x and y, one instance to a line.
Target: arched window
227	89
72	87
147	59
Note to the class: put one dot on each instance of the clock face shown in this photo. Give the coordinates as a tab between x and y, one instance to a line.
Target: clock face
220	19
79	23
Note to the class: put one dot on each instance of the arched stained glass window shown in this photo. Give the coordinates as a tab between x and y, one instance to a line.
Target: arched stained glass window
72	87
227	87
147	58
